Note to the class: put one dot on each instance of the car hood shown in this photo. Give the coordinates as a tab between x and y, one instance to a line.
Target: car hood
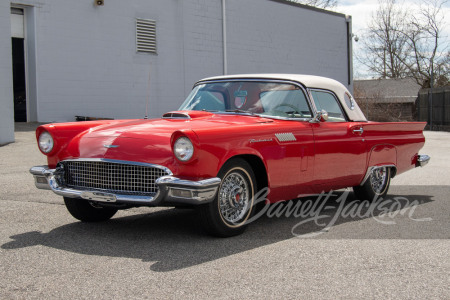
171	122
142	140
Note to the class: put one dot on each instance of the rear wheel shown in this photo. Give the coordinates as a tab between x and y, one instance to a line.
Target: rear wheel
227	214
86	211
375	186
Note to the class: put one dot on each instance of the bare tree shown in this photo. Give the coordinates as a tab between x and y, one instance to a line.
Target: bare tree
325	4
428	59
385	46
406	42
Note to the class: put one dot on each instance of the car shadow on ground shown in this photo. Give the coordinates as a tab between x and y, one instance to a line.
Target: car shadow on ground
173	239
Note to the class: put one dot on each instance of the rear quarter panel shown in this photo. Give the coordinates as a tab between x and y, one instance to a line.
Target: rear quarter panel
394	143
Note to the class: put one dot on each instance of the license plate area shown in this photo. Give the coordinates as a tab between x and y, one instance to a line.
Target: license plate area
99	196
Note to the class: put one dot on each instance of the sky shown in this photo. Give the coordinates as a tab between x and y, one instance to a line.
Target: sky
361	12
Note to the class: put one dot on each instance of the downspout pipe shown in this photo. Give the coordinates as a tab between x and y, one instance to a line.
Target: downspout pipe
224	37
348	20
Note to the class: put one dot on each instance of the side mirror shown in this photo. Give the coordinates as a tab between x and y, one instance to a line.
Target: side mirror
322	116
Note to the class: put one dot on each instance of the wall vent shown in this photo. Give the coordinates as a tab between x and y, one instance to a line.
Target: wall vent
145	36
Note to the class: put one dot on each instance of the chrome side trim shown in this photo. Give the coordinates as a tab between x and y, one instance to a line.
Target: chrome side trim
370	169
422	160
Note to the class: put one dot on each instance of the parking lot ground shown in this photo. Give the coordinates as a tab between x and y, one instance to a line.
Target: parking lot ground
160	253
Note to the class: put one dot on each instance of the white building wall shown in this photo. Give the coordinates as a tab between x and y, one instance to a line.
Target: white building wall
203	43
274	37
86	63
6	90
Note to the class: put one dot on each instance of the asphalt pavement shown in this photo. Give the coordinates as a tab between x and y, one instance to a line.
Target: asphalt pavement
398	248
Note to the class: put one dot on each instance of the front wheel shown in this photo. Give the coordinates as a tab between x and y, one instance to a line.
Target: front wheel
375	186
85	211
227	214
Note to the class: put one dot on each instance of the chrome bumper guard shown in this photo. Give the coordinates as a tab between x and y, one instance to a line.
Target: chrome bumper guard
172	190
422	160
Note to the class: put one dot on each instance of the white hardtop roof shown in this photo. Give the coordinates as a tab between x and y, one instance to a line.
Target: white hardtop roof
309	81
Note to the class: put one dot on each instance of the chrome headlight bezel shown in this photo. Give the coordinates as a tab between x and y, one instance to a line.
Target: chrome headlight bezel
183	149
46	142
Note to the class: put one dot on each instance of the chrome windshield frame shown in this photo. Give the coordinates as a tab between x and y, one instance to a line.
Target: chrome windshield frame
266	80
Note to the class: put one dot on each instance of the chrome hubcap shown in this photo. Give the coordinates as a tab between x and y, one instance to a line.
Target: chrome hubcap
378	179
234	197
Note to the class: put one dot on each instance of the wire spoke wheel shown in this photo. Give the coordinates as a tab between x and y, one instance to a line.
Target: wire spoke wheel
234	198
228	213
378	178
376	185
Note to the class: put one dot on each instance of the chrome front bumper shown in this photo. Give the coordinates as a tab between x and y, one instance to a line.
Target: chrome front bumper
172	190
422	160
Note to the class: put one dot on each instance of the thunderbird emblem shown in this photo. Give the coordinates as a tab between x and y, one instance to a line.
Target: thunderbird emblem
111	146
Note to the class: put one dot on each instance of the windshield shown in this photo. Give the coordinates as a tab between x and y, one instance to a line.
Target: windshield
262	98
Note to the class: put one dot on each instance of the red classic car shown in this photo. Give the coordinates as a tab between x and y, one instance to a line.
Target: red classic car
232	137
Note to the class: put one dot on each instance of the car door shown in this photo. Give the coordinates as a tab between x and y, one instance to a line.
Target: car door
339	145
290	158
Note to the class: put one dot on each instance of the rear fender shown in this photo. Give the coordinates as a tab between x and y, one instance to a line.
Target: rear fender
382	155
385	154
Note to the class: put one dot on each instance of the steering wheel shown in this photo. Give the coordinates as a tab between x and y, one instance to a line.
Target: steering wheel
295	109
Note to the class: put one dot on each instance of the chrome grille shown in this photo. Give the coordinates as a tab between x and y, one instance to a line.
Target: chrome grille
113	177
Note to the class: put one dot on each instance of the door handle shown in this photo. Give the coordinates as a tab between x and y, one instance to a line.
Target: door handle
360	130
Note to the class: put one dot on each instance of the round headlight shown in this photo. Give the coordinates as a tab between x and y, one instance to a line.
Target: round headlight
45	142
183	149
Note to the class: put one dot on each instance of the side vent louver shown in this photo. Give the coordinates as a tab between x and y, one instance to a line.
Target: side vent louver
285	137
146	36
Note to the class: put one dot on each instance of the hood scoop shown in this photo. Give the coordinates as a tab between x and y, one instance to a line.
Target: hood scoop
175	115
186	115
